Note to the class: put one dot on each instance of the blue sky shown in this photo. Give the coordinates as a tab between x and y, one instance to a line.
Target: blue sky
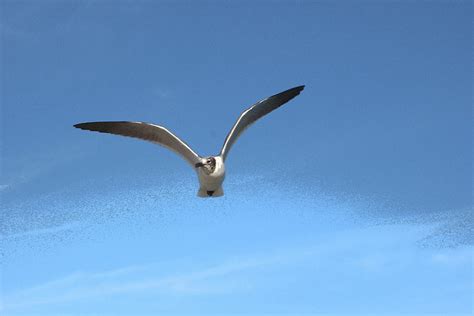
354	198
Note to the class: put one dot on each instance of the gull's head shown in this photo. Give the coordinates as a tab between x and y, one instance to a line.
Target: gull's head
208	164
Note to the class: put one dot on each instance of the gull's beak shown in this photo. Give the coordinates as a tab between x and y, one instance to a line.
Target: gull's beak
199	164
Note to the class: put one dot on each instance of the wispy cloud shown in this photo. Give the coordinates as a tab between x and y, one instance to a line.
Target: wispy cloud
23	169
389	251
212	279
454	257
81	285
43	231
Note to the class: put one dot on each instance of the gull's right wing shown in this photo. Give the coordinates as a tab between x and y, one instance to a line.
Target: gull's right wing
255	112
146	131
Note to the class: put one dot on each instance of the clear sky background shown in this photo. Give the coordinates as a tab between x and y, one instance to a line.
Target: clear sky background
354	198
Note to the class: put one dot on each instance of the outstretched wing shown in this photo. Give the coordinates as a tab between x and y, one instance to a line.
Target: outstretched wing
255	112
146	131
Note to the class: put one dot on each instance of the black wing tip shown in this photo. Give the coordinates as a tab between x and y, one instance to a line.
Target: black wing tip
89	124
291	93
85	126
298	88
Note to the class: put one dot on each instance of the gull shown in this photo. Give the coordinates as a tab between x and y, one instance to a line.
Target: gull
210	170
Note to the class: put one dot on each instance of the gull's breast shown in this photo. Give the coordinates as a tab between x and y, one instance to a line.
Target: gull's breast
214	180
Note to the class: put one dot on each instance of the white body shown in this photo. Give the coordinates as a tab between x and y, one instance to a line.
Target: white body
212	181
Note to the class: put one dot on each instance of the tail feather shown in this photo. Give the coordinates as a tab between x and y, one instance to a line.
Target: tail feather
205	193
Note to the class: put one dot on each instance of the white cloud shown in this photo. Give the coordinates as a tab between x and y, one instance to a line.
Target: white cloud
80	285
454	257
213	279
43	231
383	253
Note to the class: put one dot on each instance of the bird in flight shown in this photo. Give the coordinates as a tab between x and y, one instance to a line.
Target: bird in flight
210	170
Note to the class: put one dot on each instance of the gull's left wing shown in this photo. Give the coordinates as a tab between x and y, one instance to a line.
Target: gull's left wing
255	112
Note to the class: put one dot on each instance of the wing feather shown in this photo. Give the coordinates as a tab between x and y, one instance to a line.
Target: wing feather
146	131
256	111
